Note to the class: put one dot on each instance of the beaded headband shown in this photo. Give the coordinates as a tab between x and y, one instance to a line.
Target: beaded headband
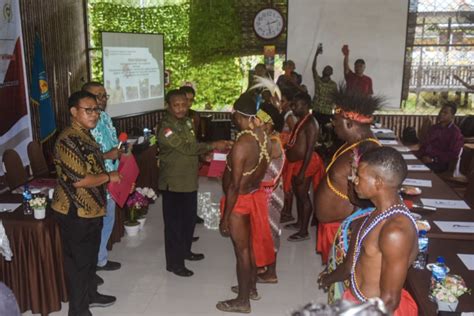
361	118
264	117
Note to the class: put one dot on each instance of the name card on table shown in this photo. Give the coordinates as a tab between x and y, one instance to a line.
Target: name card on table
468	260
417	168
402	149
455	227
388	142
418	182
409	157
9	207
128	168
449	204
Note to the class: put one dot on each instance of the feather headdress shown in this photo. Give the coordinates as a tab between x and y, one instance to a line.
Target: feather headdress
267	83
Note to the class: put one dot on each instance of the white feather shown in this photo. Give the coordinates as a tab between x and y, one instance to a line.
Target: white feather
267	83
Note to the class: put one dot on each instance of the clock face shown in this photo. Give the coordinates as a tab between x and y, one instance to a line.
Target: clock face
268	23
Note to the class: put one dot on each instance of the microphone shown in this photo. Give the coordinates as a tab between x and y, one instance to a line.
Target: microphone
123	137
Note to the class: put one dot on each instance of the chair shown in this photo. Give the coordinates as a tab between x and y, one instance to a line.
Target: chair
39	167
469	194
15	173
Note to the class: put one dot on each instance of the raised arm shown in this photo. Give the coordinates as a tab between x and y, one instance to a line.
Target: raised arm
315	61
397	242
345	52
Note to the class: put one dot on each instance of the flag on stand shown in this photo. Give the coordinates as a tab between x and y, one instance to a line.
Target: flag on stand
40	94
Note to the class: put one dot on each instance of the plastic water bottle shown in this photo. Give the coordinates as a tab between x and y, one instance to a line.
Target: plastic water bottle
420	261
26	200
438	274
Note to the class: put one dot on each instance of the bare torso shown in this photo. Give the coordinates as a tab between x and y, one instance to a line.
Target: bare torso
248	143
297	151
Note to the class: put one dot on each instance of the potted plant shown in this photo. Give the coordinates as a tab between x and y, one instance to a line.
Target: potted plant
447	292
137	204
38	204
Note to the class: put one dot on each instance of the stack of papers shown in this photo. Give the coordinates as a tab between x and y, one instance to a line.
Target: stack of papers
8	207
455	227
449	204
388	142
468	260
417	168
402	149
409	157
418	182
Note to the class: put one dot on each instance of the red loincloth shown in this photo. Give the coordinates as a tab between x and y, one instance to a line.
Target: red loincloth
255	204
407	306
315	169
326	234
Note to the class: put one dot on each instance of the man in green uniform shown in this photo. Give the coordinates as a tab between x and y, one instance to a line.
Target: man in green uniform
178	181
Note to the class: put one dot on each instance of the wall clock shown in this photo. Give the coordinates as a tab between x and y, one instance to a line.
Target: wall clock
268	23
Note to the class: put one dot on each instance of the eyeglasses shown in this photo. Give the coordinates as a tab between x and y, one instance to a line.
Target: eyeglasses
90	111
102	96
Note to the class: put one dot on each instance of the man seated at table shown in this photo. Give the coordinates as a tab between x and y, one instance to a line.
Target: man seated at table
105	135
385	243
443	142
79	202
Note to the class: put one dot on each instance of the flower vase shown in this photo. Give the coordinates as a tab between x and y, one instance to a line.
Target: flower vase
39	213
142	221
132	229
447	306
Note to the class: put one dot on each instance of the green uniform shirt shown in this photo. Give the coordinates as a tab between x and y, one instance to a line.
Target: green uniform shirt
179	153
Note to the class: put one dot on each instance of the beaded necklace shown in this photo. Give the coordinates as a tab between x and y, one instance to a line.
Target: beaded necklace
296	130
263	150
341	151
392	210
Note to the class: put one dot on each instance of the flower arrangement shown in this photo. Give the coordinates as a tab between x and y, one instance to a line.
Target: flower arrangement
452	288
37	202
138	203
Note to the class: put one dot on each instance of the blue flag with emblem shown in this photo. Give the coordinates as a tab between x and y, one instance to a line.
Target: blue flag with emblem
39	94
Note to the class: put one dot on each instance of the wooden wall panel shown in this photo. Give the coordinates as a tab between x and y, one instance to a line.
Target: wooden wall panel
61	29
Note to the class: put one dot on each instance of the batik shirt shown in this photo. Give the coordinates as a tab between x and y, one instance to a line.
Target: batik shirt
76	155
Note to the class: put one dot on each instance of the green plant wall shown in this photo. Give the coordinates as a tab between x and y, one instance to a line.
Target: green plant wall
218	81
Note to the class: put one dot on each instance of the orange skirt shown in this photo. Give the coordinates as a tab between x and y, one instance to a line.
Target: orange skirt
255	204
407	306
326	234
315	170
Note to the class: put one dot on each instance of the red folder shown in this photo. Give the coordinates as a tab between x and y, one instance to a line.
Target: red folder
128	168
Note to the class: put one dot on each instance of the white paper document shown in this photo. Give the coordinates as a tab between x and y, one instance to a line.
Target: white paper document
381	130
402	149
8	207
219	157
455	227
417	168
409	157
388	142
450	204
418	182
468	260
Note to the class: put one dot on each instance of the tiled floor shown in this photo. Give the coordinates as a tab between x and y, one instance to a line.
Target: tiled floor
144	287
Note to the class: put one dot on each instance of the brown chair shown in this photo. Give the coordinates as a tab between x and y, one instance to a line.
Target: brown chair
15	172
39	167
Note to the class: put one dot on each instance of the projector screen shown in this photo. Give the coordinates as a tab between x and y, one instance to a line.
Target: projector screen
133	72
375	31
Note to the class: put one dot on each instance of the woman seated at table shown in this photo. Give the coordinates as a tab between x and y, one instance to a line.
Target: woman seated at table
443	142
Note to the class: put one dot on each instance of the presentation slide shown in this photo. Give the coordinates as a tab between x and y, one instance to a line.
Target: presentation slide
374	31
133	72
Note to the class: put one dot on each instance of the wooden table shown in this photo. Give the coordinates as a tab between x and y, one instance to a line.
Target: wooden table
443	244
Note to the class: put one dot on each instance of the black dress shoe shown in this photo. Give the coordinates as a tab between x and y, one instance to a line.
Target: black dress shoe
195	256
182	272
101	300
98	280
199	220
195	238
110	266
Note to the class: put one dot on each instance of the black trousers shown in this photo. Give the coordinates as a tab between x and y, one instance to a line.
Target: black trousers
81	240
179	215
